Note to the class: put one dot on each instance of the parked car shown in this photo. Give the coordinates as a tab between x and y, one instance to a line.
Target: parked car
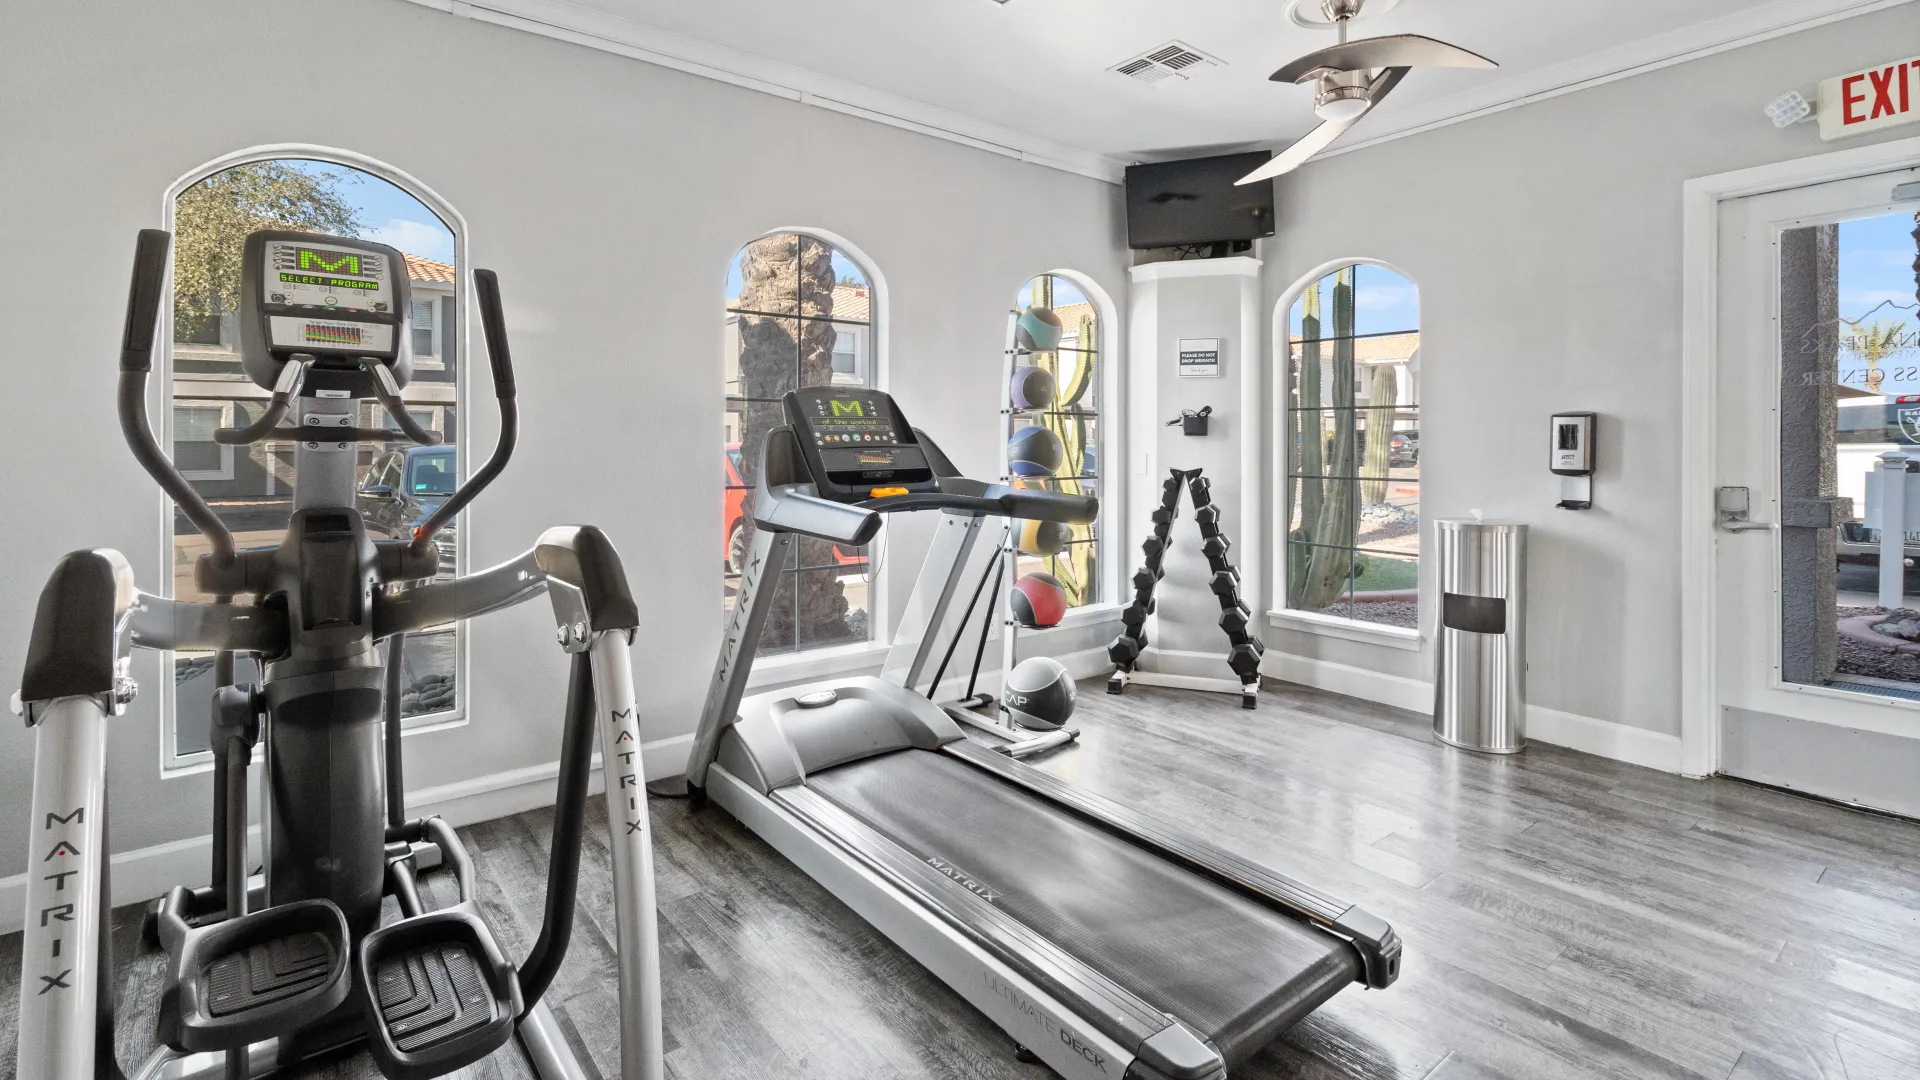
404	487
734	519
1404	448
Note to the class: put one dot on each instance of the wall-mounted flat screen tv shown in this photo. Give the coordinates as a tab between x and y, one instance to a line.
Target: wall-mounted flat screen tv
1174	203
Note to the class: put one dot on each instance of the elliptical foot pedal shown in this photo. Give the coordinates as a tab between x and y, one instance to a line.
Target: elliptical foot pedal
437	993
261	976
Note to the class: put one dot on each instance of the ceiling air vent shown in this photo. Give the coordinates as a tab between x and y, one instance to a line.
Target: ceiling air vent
1175	58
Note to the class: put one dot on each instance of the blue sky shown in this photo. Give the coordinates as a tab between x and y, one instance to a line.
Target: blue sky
1876	268
1877	288
1383	303
390	215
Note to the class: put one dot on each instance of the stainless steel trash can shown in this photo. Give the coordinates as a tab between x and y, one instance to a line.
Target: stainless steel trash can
1479	700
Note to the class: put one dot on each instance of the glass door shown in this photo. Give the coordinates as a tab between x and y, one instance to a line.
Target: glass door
1817	426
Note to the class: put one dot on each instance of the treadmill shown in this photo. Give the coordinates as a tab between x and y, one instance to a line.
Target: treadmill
1106	943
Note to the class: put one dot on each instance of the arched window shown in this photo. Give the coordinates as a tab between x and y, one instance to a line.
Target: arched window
1353	447
251	487
799	312
1072	415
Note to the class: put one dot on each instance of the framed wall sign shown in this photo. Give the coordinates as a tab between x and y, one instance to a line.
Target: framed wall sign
1199	357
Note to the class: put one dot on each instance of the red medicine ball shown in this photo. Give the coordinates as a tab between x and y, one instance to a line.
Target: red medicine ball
1038	601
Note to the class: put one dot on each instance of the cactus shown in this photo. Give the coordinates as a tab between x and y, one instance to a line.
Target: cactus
1336	510
1383	391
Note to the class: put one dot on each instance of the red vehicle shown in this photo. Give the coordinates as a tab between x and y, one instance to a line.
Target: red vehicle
734	517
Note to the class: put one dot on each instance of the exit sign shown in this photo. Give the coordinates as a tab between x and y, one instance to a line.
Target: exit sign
1863	101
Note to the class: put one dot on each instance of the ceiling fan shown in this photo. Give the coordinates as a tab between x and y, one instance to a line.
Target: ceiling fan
1351	77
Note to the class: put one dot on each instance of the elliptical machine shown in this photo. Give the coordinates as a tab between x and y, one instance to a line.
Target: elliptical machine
264	971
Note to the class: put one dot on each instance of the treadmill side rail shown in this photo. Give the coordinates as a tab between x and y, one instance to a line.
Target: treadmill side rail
1375	941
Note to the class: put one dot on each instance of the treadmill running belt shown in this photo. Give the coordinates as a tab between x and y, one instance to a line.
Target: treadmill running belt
1237	972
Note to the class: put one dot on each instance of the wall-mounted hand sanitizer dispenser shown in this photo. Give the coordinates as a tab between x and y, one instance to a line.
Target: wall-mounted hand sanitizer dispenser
1573	444
1572	455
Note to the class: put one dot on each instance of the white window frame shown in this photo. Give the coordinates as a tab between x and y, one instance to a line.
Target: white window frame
1111	454
861	349
1314	622
874	363
432	302
225	471
160	403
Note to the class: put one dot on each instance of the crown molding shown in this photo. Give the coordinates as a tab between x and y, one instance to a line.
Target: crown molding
580	25
1762	22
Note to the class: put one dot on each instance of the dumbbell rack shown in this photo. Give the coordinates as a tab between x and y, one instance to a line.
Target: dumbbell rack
1245	650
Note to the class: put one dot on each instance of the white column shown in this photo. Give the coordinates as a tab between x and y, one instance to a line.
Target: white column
1892	468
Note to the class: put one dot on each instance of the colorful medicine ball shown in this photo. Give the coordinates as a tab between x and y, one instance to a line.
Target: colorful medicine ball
1032	388
1038	329
1037	601
1035	451
1042	537
1039	694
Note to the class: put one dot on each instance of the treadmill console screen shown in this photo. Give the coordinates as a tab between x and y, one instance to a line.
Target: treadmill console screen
858	438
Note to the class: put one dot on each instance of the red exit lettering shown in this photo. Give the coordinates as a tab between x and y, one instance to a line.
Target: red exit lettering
1889	89
1870	99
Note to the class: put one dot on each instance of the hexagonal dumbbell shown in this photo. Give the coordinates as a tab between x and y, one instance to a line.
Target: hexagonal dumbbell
1216	547
1144	578
1233	620
1200	489
1226	583
1163	516
1170	489
1245	662
1135	614
1125	650
1154	547
1209	519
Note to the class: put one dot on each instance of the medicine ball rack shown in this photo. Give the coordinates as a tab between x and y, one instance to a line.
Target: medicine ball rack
1235	617
980	710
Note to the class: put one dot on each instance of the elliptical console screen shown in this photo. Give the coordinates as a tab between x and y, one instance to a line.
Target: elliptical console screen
323	279
859	437
324	276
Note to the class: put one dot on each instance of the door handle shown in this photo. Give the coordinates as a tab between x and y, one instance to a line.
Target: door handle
1730	508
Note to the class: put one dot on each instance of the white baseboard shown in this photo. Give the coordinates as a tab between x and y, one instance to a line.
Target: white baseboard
148	872
1396	690
1603	738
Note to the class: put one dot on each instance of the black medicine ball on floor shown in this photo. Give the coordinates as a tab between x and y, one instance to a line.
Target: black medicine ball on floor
1039	694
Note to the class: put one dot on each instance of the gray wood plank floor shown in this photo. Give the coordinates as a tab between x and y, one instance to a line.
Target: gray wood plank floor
1564	916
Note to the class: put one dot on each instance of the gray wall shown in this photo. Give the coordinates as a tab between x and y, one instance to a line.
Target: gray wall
1188	617
608	194
1546	244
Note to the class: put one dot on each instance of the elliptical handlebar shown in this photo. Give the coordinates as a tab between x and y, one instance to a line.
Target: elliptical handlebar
136	362
486	288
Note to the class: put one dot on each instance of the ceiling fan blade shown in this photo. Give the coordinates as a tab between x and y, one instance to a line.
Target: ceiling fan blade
1394	50
1323	136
